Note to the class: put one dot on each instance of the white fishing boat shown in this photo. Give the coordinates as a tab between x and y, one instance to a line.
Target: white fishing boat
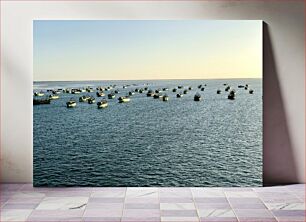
71	103
39	93
102	104
124	99
55	96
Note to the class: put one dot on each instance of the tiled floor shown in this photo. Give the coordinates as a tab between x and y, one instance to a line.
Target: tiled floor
22	202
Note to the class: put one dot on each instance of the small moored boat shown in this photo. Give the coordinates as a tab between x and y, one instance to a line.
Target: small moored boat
197	97
53	96
102	104
100	94
231	95
251	91
179	95
124	99
165	98
150	93
71	103
111	96
39	93
219	91
84	98
157	96
91	100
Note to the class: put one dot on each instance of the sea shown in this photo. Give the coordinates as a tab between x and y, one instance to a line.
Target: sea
149	142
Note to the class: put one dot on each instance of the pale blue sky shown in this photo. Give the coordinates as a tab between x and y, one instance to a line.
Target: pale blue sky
147	49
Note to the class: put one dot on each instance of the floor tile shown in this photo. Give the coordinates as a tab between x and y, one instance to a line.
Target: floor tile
240	194
19	206
176	200
179	213
175	192
253	213
179	219
143	213
286	206
135	192
14	214
141	206
56	214
289	213
140	219
210	200
218	219
207	192
105	200
216	213
213	205
62	203
110	192
102	206
103	212
101	219
177	206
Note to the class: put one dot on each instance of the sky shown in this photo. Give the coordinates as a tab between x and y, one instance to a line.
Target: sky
67	50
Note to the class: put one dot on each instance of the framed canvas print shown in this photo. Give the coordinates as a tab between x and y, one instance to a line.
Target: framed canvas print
147	103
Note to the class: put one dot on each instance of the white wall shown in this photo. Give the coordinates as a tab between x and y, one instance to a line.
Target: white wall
284	79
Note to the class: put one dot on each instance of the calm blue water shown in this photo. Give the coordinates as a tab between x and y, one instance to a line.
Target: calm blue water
148	142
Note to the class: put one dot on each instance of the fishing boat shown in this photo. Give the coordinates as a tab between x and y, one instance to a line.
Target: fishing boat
41	101
124	99
231	95
71	103
197	97
102	104
218	91
111	96
91	100
227	88
39	93
100	94
75	91
88	89
165	98
150	93
179	95
251	91
53	96
157	96
84	98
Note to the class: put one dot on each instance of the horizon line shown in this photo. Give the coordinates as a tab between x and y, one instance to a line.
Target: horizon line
137	79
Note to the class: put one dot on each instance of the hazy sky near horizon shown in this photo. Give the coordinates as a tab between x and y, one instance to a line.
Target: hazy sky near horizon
146	49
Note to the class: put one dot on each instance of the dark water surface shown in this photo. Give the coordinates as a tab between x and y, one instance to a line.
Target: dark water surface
148	142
